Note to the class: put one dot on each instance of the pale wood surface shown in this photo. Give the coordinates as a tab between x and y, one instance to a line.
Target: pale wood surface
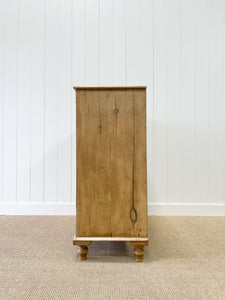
79	240
83	242
108	87
111	162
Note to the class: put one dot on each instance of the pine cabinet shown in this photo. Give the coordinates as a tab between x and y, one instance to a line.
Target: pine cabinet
111	187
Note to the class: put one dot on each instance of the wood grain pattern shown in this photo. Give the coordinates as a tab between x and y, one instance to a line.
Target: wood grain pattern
111	163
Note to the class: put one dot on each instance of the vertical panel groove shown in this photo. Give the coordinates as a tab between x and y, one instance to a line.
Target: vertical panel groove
112	42
208	98
3	33
71	101
181	100
99	52
44	61
126	41
17	72
223	92
85	45
194	75
152	86
167	102
57	134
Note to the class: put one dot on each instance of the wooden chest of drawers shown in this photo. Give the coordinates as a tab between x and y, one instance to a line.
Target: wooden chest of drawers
111	193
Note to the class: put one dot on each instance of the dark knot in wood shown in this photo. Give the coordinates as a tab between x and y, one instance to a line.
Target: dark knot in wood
133	215
100	128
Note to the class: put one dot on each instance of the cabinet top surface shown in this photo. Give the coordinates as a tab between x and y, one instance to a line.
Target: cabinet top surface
107	87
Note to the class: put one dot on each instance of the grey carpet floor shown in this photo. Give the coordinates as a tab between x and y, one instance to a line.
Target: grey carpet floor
185	259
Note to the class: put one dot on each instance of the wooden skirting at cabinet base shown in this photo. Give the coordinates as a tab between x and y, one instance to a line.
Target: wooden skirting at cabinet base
83	242
76	239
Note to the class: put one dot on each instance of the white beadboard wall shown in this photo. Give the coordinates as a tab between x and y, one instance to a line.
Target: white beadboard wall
175	47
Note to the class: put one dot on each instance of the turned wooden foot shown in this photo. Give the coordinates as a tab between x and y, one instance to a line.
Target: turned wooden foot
139	253
82	252
82	249
139	250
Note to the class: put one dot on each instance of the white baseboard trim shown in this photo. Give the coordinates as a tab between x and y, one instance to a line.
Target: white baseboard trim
67	209
186	209
160	209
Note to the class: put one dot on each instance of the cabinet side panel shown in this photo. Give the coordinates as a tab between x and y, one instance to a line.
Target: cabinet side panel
111	163
121	164
128	166
94	130
140	168
80	98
